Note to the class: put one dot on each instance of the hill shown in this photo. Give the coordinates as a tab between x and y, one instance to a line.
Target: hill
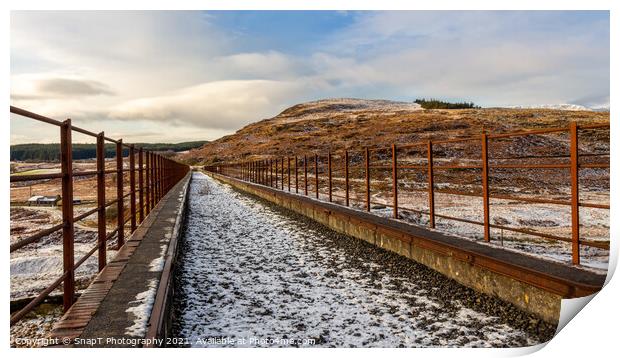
336	124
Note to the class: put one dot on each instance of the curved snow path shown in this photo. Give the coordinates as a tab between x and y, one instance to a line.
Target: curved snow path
249	271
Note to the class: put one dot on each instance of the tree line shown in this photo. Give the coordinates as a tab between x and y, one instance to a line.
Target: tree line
437	104
51	152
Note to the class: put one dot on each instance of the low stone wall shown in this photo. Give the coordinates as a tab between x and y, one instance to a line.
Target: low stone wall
510	276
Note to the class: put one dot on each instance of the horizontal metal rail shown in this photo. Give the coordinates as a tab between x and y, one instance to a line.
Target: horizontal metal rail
355	169
156	175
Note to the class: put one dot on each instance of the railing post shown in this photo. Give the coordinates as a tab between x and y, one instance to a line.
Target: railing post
101	222
316	174
160	178
141	185
66	161
288	168
574	180
155	179
271	173
119	195
164	176
282	170
147	186
276	170
296	176
329	174
306	175
367	156
346	178
132	186
147	182
431	185
485	186
395	181
156	176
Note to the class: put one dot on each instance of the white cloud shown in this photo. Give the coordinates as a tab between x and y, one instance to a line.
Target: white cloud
219	104
270	64
45	86
176	69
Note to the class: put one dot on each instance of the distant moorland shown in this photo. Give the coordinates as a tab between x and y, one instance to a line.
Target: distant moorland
51	151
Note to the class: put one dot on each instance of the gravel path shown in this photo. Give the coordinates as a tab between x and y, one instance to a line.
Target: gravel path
250	270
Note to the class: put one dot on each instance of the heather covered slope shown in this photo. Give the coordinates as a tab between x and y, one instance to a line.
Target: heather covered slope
352	123
317	127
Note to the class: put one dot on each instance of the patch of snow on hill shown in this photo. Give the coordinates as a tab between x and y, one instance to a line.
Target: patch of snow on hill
356	104
561	107
352	106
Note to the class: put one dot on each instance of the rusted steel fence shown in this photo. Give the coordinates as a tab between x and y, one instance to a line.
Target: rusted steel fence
382	175
156	175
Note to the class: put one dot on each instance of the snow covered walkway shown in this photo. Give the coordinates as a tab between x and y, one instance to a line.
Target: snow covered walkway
251	274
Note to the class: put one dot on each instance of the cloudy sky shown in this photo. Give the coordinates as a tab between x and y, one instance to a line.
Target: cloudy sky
179	76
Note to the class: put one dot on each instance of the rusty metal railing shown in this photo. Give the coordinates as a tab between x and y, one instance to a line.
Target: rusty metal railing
156	176
271	172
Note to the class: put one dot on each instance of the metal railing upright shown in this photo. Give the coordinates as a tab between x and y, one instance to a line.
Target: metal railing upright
161	180
356	172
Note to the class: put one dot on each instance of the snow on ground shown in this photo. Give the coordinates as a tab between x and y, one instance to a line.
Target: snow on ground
543	218
549	219
559	106
249	271
349	106
33	329
34	267
141	310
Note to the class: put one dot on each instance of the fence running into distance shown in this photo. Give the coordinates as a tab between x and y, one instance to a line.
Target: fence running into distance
344	170
156	175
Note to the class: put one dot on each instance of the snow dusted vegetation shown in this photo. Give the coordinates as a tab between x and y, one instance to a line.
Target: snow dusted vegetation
560	106
348	106
35	266
538	217
251	270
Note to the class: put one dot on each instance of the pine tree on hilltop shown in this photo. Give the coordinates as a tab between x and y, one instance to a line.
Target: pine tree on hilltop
437	104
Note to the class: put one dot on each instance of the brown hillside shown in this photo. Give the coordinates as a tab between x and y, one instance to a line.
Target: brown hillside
348	123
